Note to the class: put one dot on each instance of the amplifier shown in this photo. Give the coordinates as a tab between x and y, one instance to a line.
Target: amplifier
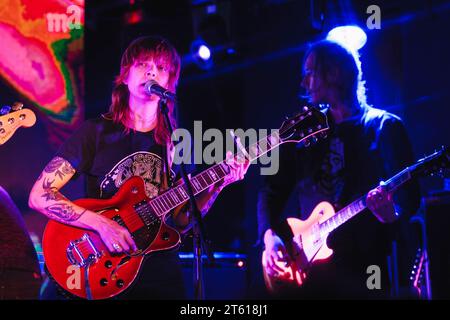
223	279
437	215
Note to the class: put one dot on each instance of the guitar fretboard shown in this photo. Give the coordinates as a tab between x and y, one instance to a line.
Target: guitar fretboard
343	215
177	195
359	205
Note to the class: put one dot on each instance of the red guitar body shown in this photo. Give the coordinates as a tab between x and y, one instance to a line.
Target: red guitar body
69	251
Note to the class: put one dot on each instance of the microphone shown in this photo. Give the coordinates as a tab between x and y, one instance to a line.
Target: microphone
152	87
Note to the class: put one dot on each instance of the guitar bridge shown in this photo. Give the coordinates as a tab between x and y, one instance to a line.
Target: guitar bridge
85	255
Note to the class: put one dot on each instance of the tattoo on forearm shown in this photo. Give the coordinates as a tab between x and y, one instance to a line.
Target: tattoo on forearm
47	183
50	192
64	212
60	167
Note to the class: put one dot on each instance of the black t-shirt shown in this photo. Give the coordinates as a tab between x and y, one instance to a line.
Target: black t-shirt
356	156
102	151
107	155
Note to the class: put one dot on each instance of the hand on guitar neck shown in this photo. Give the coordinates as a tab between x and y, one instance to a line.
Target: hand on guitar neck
238	165
380	202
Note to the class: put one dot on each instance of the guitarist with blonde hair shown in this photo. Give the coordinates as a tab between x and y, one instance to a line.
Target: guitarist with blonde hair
131	140
365	145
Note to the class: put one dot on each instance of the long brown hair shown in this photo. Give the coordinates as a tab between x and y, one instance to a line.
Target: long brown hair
350	85
160	50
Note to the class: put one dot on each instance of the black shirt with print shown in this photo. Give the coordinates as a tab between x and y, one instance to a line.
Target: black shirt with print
107	156
357	154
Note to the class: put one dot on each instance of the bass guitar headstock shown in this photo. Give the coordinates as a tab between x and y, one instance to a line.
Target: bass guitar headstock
12	118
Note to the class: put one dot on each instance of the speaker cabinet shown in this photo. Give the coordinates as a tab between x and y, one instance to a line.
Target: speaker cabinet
437	213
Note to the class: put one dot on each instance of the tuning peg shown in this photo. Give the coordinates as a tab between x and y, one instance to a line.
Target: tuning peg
314	139
323	135
17	106
5	110
323	106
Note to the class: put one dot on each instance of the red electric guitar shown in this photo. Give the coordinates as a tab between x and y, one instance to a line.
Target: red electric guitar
80	263
309	242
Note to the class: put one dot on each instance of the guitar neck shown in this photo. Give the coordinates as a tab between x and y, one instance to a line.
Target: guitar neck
359	205
176	196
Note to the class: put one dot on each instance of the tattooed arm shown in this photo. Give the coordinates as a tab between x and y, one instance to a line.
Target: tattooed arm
46	198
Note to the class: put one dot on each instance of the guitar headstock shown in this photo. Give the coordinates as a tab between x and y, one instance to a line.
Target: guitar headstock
12	118
308	126
417	272
433	164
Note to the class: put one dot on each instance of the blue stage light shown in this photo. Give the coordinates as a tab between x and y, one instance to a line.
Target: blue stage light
204	52
351	37
201	54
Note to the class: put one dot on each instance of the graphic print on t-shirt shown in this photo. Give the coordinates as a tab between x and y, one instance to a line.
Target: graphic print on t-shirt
143	164
331	179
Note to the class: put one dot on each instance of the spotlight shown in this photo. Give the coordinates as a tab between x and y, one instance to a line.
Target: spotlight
201	54
351	37
204	52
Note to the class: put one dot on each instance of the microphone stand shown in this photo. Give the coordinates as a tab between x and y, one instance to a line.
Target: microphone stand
199	240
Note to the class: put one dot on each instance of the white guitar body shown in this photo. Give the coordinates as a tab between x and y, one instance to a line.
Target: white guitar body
308	246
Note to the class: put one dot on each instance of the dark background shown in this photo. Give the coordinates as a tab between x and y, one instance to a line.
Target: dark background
405	65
